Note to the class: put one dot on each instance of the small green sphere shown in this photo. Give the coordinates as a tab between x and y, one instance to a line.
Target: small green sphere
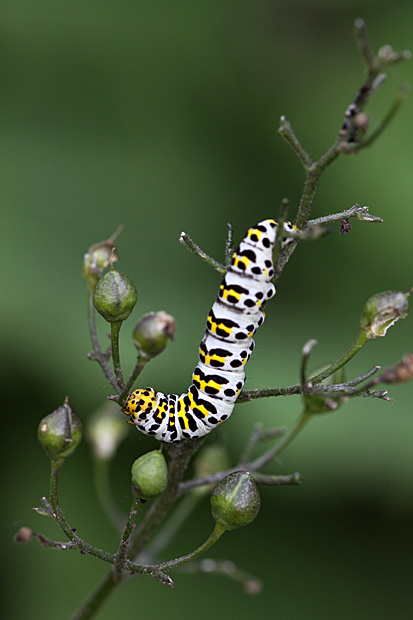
235	501
60	432
153	331
115	296
149	475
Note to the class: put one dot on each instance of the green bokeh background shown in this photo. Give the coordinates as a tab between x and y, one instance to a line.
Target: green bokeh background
163	117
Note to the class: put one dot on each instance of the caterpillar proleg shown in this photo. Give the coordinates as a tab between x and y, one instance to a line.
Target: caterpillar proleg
225	348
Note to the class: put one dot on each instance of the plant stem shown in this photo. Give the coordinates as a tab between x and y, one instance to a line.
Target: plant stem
181	453
227	569
127	533
55	468
342	361
258	434
98	596
192	247
268	456
361	213
63	524
311	183
140	365
297	387
292	479
98	354
212	539
104	493
305	354
288	134
114	338
174	523
229	247
397	103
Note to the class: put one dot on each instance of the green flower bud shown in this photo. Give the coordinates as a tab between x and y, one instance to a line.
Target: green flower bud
115	296
149	475
97	259
60	432
106	431
152	332
382	311
235	501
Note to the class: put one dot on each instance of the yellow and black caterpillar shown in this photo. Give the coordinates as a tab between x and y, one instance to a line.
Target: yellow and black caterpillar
225	348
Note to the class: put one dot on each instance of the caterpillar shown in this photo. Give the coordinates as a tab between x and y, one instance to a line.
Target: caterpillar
225	348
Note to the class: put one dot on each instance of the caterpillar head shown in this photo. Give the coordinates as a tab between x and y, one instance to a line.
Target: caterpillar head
139	404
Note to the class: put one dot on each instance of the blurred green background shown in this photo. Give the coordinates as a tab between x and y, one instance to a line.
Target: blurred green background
163	117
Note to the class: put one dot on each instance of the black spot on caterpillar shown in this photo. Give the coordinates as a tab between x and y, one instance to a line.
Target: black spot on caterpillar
225	348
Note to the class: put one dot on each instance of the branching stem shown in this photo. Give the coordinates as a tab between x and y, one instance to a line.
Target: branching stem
248	395
181	454
350	139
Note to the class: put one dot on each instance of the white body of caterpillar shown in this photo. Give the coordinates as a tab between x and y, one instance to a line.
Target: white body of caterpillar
225	348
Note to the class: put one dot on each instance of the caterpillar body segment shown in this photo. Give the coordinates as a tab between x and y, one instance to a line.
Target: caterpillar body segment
252	262
227	356
243	293
224	350
226	385
221	323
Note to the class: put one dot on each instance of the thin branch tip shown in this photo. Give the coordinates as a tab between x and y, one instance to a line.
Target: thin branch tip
309	346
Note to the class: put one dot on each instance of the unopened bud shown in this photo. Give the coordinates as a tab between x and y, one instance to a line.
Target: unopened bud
24	535
60	432
149	475
115	296
152	332
403	371
382	311
235	501
97	259
106	431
